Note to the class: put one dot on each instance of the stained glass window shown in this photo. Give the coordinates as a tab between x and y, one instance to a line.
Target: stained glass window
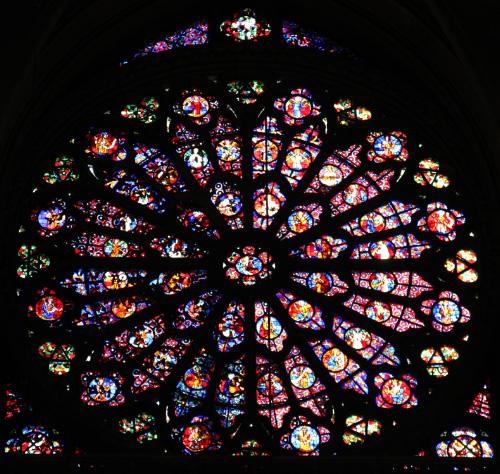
464	443
249	268
481	403
195	34
246	26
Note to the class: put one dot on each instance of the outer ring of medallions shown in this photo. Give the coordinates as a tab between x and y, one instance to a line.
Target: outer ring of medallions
260	240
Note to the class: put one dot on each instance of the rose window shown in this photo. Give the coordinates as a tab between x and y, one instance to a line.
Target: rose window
248	266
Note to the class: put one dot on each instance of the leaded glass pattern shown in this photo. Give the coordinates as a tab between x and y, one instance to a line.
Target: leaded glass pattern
245	269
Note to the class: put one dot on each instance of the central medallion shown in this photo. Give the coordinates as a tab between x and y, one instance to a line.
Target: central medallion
248	265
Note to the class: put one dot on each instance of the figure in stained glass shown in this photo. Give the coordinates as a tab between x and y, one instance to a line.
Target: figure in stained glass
441	221
446	311
395	391
387	147
304	438
230	331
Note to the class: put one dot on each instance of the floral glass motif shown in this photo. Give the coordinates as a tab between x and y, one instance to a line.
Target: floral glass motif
241	267
63	171
387	147
481	403
33	261
59	355
247	92
297	106
304	438
437	359
446	311
246	26
195	34
461	265
144	111
34	439
464	442
251	448
358	428
429	175
141	427
348	114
